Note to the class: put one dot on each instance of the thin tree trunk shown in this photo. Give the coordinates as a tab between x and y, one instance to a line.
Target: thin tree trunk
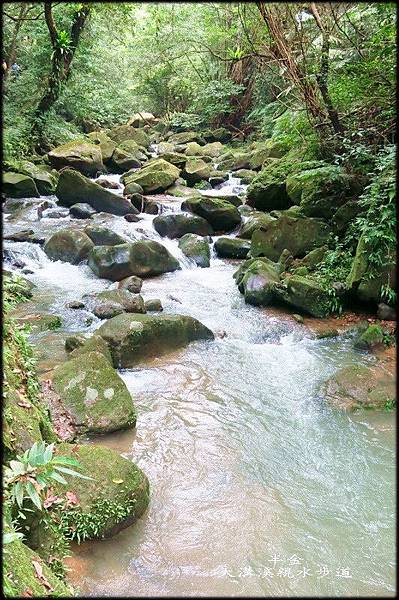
61	61
11	52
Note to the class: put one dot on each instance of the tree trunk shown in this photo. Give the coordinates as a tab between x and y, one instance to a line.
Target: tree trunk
61	61
11	52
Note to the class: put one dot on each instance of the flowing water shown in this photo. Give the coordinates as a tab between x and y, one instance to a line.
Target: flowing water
257	486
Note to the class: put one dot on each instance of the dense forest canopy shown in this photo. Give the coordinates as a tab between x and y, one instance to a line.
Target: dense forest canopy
295	68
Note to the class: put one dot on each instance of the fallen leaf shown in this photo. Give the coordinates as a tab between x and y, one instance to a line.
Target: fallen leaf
24	404
38	568
71	498
27	593
117	480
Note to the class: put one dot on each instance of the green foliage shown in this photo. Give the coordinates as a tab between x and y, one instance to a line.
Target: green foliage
213	101
377	223
389	405
388	295
32	473
79	526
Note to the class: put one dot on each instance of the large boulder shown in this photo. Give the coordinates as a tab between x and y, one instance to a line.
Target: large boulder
116	495
268	149
299	235
143	258
128	155
182	191
196	248
220	134
232	198
16	185
69	245
186	137
305	294
154	177
196	170
255	220
123	133
320	191
176	225
142	118
132	338
175	158
78	154
73	188
229	247
44	177
21	575
246	175
94	395
364	282
361	386
222	215
267	191
102	236
257	280
107	146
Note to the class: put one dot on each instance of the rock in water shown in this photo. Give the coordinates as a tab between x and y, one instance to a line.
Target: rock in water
222	215
143	258
153	305
94	394
74	188
132	283
69	245
156	176
115	497
176	225
131	338
82	210
196	248
78	154
102	236
16	185
227	247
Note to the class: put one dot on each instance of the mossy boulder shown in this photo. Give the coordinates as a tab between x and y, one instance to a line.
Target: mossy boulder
176	225
154	177
344	215
21	576
107	146
256	280
364	282
360	386
267	190
68	245
44	177
124	133
24	423
319	191
185	137
306	294
133	338
371	338
182	191
132	284
103	236
94	395
153	305
141	119
117	495
74	187
314	258
221	134
222	215
175	158
17	185
246	175
82	210
299	235
143	258
123	300
196	170
255	220
233	199
165	148
196	248
81	155
228	247
128	155
39	322
95	343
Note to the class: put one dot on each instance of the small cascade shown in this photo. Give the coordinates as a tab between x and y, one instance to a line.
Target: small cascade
232	186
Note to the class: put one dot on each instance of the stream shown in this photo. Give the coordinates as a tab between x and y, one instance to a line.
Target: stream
257	486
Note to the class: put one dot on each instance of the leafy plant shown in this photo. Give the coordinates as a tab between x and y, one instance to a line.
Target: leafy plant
33	472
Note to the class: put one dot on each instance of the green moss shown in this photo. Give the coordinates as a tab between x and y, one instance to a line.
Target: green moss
94	394
19	574
115	498
373	336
